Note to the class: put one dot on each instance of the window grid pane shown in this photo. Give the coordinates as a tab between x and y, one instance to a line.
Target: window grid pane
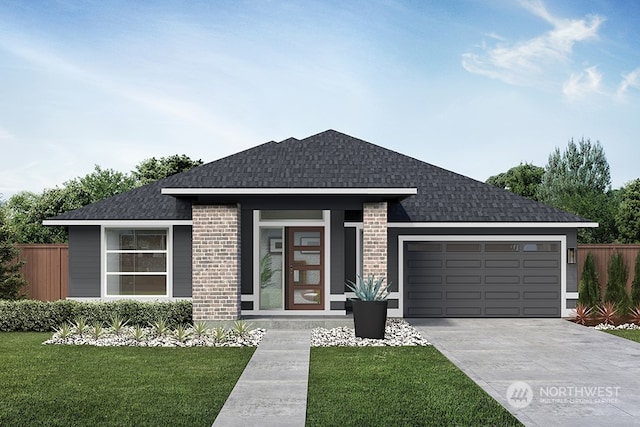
136	262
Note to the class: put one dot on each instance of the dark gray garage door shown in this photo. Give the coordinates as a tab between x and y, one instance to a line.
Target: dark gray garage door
482	279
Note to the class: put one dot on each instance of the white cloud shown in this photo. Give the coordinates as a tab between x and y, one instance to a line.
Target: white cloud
630	80
583	84
523	62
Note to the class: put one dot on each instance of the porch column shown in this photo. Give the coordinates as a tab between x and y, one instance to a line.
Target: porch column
374	239
216	262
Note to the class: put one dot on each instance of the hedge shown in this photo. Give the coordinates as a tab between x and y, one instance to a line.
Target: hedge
43	316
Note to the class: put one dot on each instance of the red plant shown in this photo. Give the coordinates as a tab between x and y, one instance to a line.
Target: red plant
634	315
607	313
583	314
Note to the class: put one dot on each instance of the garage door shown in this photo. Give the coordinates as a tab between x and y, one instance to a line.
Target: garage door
482	279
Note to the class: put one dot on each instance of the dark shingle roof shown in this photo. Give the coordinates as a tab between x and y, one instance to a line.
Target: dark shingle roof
332	160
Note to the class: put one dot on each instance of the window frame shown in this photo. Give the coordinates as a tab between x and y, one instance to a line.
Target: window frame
168	273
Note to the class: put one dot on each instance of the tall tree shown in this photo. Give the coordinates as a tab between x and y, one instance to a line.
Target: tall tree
589	291
616	292
11	280
153	169
578	181
628	216
523	180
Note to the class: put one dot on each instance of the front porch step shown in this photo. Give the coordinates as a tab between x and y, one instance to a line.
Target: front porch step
299	322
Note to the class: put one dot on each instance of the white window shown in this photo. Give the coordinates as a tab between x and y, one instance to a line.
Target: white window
136	262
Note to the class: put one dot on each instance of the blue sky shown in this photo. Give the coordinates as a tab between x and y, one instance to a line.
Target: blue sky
474	86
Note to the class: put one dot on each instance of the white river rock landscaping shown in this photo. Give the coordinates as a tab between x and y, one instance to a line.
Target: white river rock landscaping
607	327
151	339
397	333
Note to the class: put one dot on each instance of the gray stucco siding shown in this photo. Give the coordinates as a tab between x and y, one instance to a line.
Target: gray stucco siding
182	261
84	261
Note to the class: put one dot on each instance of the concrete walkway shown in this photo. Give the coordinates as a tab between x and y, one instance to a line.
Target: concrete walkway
573	375
272	390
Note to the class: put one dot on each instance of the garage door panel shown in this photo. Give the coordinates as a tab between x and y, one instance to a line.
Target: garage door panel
497	295
551	295
458	280
425	263
432	295
424	280
470	295
541	280
476	279
502	280
463	263
502	263
463	311
541	263
426	312
541	312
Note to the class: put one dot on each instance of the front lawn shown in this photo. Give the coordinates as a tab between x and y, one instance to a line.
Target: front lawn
384	386
59	385
630	334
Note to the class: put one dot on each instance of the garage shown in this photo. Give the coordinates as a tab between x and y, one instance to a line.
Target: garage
509	278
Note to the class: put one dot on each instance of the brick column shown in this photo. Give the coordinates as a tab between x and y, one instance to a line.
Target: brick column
216	262
374	241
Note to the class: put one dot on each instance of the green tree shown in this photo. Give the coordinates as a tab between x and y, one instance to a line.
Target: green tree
616	292
635	285
153	169
589	294
11	279
523	180
578	181
628	215
25	211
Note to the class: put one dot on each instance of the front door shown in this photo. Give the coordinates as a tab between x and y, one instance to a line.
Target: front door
304	264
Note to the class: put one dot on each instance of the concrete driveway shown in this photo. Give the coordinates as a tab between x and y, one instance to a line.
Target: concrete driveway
547	372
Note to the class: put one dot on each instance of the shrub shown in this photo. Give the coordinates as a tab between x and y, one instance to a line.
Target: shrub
635	285
616	292
589	295
44	316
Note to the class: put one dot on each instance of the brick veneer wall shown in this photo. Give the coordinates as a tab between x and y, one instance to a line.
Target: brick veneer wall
216	262
374	239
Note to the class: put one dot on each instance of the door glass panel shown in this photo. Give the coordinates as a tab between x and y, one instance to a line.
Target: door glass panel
306	296
271	262
306	257
306	238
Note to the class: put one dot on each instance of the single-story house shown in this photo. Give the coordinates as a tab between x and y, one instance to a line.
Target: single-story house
277	229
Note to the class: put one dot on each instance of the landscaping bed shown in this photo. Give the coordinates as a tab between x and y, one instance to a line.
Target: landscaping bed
397	333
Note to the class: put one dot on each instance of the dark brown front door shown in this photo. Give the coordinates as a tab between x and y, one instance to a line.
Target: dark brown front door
305	268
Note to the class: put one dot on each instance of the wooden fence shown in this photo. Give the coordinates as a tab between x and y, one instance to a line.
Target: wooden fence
46	269
602	254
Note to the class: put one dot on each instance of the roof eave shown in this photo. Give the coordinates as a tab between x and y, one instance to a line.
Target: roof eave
378	191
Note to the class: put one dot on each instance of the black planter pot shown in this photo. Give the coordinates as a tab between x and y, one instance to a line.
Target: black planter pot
369	318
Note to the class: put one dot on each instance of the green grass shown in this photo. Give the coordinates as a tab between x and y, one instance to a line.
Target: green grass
395	386
57	385
630	334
